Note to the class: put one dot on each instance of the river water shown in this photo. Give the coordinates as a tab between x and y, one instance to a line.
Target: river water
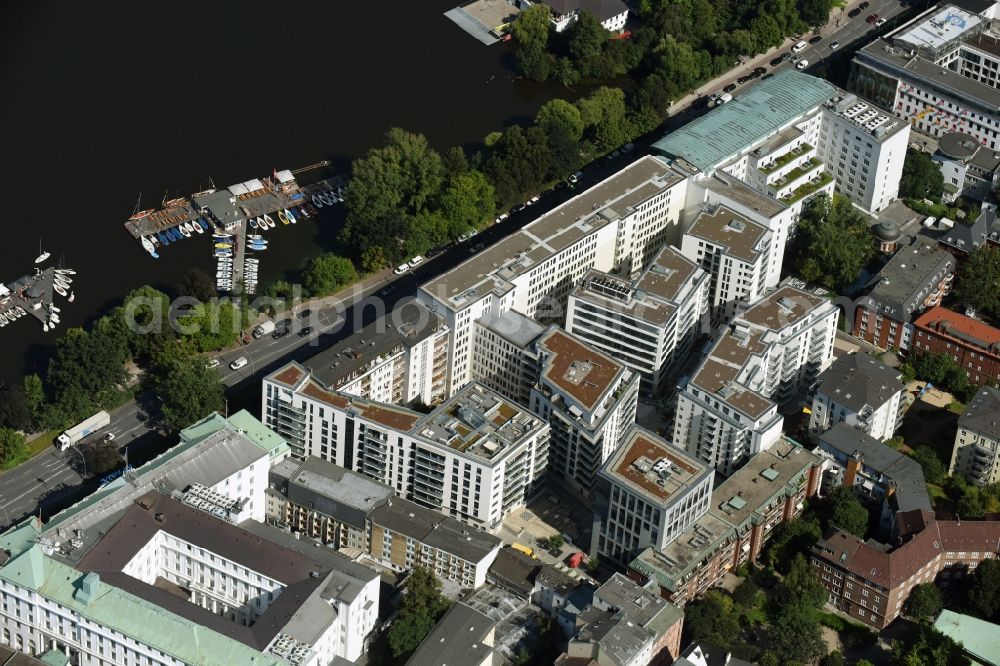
107	99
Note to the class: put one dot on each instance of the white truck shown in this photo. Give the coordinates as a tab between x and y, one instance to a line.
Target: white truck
81	430
260	330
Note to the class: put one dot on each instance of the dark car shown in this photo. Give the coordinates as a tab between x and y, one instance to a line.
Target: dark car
780	59
304	313
280	333
388	290
864	5
872	18
730	88
760	71
854	13
816	40
743	79
766	77
305	331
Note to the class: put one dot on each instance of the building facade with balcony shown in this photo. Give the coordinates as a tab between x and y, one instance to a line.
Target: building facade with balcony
916	278
588	399
504	355
734	252
973	345
976	453
650	323
475	457
771	354
745	509
616	226
862	392
648	493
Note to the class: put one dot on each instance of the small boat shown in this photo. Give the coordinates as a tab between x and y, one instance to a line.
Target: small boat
253	223
45	326
301	210
197	227
184	232
203	224
224	246
54	308
42	254
292	217
163	239
187	226
148	245
59	289
62	278
174	236
222	236
65	271
317	201
223	253
255	237
72	297
54	318
282	217
312	209
270	222
3	319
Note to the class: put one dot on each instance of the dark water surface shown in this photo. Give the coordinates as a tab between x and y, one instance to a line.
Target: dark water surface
104	100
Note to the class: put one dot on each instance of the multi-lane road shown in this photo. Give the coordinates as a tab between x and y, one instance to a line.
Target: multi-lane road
53	478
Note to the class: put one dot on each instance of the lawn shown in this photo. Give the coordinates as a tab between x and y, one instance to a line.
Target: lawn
956	407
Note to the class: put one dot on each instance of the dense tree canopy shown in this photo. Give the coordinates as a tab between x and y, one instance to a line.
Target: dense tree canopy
924	602
925	646
921	178
941	370
11	445
978	284
794	633
712	619
842	508
328	273
198	284
422	606
188	389
14	410
984	590
832	242
934	469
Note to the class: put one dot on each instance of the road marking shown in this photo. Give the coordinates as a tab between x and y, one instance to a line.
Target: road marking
40	489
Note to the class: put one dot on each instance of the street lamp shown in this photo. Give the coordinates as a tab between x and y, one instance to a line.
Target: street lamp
83	459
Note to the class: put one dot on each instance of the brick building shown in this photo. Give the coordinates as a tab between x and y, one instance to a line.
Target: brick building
974	345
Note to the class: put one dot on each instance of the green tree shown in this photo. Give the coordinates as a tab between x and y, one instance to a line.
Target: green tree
765	32
712	619
842	508
586	41
422	606
746	594
196	283
979	280
563	127
34	398
984	590
14	410
925	646
604	117
835	658
188	389
934	470
925	601
327	273
942	370
832	242
921	177
87	369
789	538
555	542
213	325
373	259
531	27
533	62
11	445
815	12
794	632
467	203
101	457
454	162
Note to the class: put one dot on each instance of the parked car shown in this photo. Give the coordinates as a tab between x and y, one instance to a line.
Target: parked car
305	331
760	71
500	218
802	64
575	178
799	47
280	332
834	46
239	363
402	268
627	148
476	248
880	22
532	201
109	437
816	39
730	88
872	18
854	13
864	5
388	290
214	363
416	261
743	79
304	313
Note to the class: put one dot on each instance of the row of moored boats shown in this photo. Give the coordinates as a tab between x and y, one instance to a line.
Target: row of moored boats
62	278
163	238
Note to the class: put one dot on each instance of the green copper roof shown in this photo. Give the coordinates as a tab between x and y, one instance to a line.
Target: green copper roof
54	657
119	610
199	430
732	128
978	638
19	538
258	433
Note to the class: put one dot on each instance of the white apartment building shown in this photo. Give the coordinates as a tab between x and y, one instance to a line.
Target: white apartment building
504	357
648	323
733	251
786	137
475	457
862	392
588	399
940	72
617	225
140	574
976	454
612	14
649	493
771	354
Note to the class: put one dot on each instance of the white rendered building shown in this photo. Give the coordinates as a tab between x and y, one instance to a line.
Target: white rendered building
649	494
769	355
504	357
612	14
617	225
475	457
590	402
733	251
861	391
648	323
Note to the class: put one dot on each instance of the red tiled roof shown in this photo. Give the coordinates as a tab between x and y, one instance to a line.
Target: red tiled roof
970	535
943	321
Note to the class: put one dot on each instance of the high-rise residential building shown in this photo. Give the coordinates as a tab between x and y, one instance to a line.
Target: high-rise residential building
862	392
938	72
733	250
744	511
617	225
770	354
400	358
649	323
475	457
588	399
795	136
976	453
162	567
504	357
917	277
648	493
972	344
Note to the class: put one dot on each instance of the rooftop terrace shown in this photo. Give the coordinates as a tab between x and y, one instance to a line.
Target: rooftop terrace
742	238
579	371
650	466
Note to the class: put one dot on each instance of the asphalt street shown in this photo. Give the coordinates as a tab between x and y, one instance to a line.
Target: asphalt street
53	476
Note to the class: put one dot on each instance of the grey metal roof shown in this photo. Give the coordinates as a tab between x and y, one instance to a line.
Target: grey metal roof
335	491
857	380
733	128
908	278
983	413
457	639
513	326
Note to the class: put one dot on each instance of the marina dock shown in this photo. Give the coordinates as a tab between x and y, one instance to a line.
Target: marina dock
226	214
34	295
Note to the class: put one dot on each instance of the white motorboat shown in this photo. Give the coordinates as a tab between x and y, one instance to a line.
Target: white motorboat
3	319
54	318
54	308
149	247
197	227
189	227
42	254
45	326
59	289
184	232
65	271
271	224
72	297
